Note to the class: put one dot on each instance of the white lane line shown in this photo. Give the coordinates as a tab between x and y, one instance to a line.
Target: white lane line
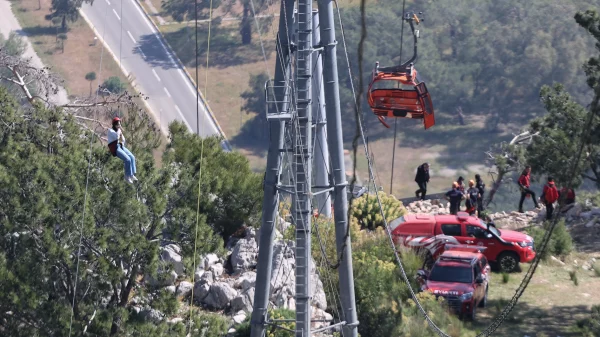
108	2
118	17
183	118
131	36
156	75
142	53
185	79
167	91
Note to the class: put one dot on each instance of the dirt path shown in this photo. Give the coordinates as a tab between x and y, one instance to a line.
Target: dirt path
8	24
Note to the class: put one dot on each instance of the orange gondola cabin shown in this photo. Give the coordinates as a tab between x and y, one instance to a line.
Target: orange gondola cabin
396	92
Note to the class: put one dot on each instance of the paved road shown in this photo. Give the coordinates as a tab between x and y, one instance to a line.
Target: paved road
9	23
129	33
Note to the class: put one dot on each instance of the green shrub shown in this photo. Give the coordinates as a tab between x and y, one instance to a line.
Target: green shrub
590	327
573	276
596	267
114	85
560	244
165	302
415	326
505	277
366	209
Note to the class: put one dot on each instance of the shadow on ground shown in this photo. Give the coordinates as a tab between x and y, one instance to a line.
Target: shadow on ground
226	48
254	136
152	51
529	320
37	31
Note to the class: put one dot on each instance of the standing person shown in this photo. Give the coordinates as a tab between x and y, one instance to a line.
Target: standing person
481	187
422	178
116	145
549	197
461	184
524	183
472	197
570	198
454	196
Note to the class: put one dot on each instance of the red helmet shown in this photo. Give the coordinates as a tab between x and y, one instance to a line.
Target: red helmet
115	120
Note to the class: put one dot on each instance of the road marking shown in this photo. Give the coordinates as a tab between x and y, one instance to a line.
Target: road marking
167	91
185	79
131	36
156	75
184	120
118	17
141	52
108	2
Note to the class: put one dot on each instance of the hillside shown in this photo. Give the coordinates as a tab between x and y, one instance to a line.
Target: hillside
487	59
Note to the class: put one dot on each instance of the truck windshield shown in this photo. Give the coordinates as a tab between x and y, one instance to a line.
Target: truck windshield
451	274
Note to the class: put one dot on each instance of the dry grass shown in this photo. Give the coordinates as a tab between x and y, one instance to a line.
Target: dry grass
551	304
79	57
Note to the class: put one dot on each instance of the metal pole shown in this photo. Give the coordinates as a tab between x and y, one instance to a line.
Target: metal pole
322	201
271	180
302	167
334	137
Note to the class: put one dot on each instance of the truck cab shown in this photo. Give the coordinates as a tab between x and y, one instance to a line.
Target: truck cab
430	233
461	276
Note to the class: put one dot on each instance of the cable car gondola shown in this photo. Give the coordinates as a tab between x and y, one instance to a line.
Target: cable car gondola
397	92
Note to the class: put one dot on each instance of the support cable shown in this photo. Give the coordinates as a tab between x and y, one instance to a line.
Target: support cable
201	141
87	179
396	119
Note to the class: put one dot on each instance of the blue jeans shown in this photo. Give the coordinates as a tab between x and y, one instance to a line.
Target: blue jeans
128	159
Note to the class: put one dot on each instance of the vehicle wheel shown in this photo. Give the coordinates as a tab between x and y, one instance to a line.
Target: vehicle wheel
508	262
483	302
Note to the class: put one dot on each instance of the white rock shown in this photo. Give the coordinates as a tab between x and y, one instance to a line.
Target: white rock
243	301
170	254
595	211
175	320
209	260
246	280
591	223
217	269
152	315
220	295
184	288
171	289
201	290
239	317
198	274
244	254
557	260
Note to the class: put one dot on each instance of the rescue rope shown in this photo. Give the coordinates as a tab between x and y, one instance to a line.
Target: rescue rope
396	119
201	141
87	179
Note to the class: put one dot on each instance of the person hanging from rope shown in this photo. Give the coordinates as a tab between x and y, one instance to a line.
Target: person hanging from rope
524	183
422	178
455	197
481	187
472	197
549	197
116	145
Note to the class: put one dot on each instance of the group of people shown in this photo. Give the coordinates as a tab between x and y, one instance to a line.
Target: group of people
550	194
476	189
459	192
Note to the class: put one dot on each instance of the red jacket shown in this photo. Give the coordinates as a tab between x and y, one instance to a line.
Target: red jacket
524	180
550	193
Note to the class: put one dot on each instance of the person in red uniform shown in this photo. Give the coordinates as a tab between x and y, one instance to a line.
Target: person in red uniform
549	197
570	198
524	183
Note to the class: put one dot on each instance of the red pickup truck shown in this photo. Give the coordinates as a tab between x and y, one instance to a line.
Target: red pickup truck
432	232
461	277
